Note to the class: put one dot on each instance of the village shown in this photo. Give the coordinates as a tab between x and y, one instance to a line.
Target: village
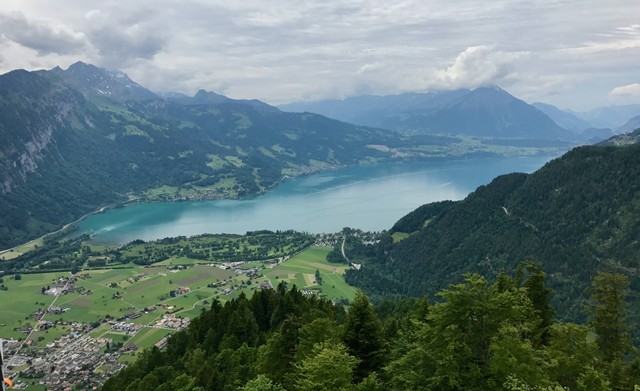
76	359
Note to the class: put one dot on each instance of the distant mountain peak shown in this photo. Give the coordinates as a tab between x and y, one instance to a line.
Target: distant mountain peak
93	81
80	65
487	111
204	93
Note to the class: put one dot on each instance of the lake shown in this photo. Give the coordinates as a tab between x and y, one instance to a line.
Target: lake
366	197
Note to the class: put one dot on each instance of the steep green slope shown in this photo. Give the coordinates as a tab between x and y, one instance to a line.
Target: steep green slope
576	215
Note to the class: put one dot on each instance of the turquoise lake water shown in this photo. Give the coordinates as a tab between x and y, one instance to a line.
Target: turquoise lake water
365	197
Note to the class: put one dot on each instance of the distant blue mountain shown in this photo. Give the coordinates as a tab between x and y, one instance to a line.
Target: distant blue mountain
612	117
484	112
565	119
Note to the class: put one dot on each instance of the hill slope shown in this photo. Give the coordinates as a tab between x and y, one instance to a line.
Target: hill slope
578	214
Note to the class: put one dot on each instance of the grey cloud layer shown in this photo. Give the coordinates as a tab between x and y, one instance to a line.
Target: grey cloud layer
572	52
39	36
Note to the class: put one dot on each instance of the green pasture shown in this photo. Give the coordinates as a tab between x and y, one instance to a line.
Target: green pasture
179	261
100	330
123	291
43	337
22	298
300	270
148	336
399	236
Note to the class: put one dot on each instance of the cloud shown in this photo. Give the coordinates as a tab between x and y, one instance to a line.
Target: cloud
119	40
617	39
629	90
40	36
477	66
572	52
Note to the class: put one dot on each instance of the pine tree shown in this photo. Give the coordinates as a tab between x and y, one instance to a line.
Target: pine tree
608	311
540	297
363	337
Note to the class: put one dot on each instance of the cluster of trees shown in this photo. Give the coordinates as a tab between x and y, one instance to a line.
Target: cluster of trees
478	336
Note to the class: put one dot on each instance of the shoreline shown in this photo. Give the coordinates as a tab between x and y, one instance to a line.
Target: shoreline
64	227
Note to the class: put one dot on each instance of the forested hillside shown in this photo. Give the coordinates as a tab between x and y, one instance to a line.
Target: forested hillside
576	215
480	336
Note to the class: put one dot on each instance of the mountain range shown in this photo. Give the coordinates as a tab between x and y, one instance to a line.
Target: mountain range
483	112
75	140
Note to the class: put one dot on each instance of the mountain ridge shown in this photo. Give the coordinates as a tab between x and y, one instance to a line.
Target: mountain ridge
485	111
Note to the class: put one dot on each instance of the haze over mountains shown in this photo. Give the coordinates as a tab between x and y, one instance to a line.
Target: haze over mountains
485	112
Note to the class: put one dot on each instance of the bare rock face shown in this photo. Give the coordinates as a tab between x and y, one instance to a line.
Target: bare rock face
32	124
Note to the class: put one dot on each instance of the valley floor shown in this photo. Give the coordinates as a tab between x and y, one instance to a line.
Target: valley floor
100	319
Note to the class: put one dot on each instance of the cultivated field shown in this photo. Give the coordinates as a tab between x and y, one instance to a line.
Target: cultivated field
301	269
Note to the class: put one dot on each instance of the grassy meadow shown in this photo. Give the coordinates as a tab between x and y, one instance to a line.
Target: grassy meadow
301	269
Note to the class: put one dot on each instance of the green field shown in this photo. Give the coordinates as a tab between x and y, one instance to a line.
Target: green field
147	337
300	270
22	298
179	261
398	236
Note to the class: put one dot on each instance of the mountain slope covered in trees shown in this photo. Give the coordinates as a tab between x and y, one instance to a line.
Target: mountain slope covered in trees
578	214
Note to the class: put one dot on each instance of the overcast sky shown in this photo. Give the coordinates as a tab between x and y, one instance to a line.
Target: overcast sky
575	54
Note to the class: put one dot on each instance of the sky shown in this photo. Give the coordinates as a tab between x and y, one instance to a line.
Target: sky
575	54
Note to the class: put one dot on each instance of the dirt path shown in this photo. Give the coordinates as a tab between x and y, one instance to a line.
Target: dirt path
344	239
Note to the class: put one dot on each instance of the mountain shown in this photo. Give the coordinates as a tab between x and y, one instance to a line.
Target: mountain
77	139
93	82
483	112
582	129
375	111
576	215
611	117
565	119
630	126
